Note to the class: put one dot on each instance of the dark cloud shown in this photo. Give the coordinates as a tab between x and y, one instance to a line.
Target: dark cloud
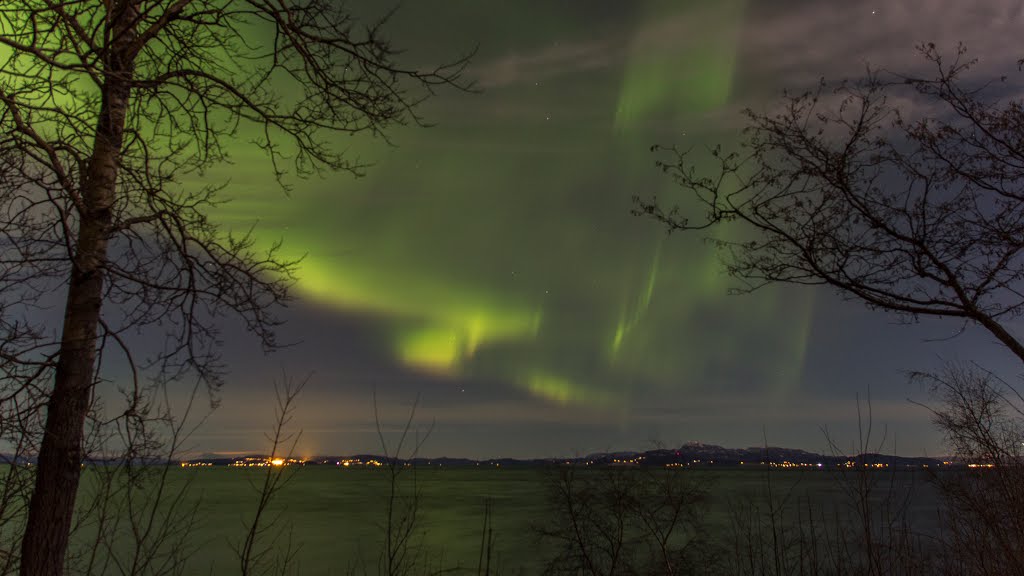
793	44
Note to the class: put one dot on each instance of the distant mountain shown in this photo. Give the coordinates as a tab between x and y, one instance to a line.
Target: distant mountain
691	454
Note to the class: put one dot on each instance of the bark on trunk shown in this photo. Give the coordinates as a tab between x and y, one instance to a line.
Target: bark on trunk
44	545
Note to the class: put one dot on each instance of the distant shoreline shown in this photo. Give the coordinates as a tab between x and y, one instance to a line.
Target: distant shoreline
692	455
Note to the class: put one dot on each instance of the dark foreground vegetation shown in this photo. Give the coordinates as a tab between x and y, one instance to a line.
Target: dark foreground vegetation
598	519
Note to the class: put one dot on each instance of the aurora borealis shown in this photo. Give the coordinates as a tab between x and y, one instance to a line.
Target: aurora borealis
490	263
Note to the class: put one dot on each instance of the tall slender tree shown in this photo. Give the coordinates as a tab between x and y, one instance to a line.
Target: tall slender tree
107	109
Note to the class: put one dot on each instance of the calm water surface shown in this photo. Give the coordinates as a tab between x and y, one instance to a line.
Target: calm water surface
336	515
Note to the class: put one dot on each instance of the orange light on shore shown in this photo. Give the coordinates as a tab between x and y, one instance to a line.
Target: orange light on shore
277	462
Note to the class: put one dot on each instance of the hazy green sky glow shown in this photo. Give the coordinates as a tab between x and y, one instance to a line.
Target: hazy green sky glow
499	244
491	262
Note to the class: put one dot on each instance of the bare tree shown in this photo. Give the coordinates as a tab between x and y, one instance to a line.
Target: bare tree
624	521
402	552
913	208
261	551
982	417
134	515
106	109
907	194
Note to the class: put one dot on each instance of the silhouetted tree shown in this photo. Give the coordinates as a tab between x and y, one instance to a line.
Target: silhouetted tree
262	551
904	193
106	108
982	417
624	521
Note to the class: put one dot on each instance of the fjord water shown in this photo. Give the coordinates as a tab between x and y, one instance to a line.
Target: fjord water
336	516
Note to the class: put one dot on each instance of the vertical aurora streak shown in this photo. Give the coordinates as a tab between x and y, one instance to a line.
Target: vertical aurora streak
682	63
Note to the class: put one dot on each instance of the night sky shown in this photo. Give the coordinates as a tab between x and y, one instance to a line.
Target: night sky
490	263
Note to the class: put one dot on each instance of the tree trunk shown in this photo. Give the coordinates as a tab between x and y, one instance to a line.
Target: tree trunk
44	545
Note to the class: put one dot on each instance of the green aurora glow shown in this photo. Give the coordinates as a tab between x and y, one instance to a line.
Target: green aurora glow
498	246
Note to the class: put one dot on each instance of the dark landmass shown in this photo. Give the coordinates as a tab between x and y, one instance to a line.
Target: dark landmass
690	455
